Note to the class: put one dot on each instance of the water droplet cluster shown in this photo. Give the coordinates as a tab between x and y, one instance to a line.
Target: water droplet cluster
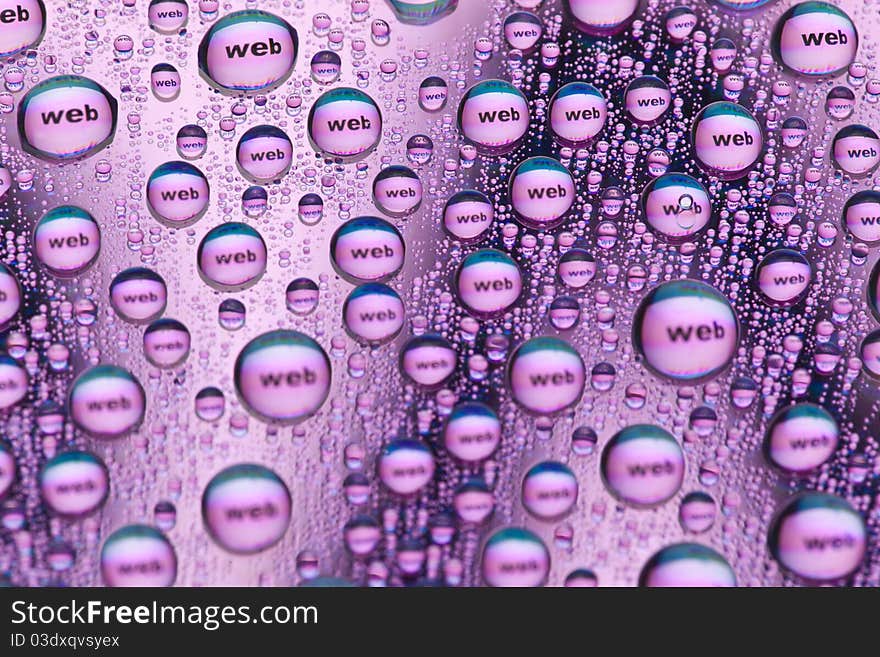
518	293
